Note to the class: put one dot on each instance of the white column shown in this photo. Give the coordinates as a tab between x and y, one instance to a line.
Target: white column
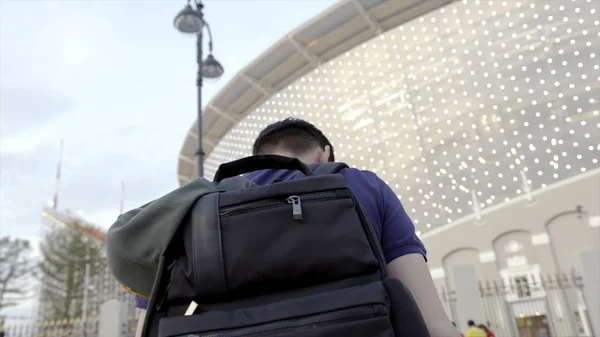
469	305
113	316
590	270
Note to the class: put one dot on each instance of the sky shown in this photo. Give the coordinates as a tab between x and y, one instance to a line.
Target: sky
116	81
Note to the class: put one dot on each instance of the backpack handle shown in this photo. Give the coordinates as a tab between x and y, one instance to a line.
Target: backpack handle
260	162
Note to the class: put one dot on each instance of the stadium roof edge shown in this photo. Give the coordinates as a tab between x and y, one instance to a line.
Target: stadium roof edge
335	31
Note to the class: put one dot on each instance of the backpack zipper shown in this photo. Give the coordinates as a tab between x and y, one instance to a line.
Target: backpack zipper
294	200
342	315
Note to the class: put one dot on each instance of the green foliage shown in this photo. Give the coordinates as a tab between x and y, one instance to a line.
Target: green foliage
66	252
16	268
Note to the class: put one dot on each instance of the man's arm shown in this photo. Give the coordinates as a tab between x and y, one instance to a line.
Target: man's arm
412	271
405	255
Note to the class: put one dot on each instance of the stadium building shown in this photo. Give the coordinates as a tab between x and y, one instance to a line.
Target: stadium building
483	116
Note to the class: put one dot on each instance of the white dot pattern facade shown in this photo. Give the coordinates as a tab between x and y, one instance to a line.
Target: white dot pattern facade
461	109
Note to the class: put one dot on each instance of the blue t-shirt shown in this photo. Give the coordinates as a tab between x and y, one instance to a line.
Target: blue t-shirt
394	228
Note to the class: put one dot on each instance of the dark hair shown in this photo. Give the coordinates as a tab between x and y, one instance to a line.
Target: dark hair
483	327
295	135
471	323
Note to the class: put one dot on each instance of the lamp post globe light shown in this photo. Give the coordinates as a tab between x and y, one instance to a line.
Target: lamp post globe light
190	20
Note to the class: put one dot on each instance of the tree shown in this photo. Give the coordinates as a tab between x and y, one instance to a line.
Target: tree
16	270
65	253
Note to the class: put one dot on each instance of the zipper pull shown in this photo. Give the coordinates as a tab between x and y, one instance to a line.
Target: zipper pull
296	207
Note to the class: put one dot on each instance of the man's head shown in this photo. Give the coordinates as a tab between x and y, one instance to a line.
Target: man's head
294	138
471	323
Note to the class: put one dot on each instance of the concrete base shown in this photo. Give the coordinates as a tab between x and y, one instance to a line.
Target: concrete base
590	270
113	319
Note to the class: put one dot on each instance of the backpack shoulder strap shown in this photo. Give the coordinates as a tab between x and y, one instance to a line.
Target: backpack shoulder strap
235	183
327	168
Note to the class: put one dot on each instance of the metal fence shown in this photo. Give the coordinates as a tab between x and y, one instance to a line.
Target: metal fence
448	298
58	328
544	306
64	328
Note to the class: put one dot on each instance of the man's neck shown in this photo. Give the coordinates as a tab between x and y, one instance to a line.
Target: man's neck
305	159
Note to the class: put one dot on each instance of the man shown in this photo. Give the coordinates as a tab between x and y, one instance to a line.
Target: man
474	331
404	252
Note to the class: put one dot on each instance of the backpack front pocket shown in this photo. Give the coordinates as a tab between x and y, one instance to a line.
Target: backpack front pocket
278	244
353	311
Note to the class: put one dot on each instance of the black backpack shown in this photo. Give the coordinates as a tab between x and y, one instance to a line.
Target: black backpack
290	259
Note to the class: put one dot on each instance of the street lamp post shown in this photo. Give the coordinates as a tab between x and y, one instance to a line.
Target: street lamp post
191	21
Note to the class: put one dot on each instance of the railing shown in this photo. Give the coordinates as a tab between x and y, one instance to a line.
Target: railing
64	328
448	299
543	306
548	306
57	328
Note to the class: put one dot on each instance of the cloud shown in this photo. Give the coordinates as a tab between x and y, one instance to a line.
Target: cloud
57	45
90	180
25	185
25	108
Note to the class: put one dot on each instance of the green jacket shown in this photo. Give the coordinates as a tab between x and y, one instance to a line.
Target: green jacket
136	241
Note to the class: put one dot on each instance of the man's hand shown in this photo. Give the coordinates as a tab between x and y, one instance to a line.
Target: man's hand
412	271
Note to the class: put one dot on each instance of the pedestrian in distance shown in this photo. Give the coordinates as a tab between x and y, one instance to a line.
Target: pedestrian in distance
488	332
474	330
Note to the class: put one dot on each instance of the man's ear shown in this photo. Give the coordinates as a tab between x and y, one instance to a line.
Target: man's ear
324	155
